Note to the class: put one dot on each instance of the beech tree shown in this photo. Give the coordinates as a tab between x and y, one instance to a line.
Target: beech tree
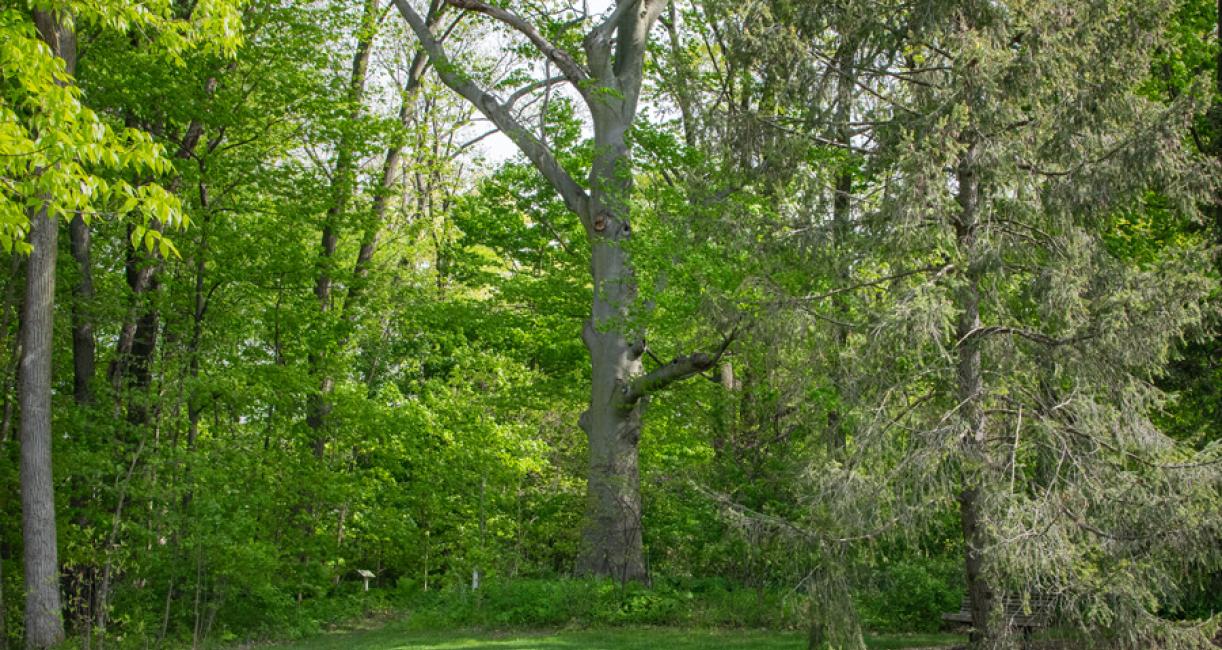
609	83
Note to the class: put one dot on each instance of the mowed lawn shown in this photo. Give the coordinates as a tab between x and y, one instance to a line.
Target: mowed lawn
395	637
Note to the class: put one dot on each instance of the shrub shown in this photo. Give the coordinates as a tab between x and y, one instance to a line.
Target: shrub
566	602
911	595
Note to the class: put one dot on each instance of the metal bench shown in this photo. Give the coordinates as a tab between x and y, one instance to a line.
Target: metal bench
1034	611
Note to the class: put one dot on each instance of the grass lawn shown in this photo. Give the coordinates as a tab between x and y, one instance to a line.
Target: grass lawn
395	637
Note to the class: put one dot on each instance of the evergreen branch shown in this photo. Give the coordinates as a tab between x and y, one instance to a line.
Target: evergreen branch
1030	335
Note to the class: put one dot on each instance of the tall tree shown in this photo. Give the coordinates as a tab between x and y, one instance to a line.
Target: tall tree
44	624
343	185
609	83
1019	142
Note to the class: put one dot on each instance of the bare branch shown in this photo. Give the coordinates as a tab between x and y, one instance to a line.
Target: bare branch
678	369
571	69
477	139
530	88
575	198
1030	335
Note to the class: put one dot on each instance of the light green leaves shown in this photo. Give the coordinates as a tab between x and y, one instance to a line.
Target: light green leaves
58	154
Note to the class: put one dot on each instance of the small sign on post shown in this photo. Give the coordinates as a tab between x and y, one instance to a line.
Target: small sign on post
365	575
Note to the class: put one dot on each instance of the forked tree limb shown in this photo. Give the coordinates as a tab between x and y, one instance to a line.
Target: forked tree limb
574	196
680	368
572	70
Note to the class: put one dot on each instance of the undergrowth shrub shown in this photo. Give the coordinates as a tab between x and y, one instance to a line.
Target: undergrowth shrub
569	602
911	595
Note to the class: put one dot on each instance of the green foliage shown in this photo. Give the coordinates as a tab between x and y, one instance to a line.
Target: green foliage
525	604
911	594
54	149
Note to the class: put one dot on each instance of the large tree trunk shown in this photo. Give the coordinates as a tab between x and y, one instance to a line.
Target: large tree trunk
44	625
611	540
971	394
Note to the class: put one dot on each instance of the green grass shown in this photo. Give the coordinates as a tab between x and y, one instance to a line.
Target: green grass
396	637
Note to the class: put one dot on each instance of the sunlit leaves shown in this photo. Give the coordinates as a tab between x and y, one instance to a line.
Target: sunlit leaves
56	151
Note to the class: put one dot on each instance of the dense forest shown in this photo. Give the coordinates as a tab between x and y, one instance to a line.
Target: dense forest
831	316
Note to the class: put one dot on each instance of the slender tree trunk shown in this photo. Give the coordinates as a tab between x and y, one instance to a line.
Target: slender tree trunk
390	168
842	227
44	625
134	334
970	395
342	187
122	488
683	81
195	401
83	346
144	347
138	334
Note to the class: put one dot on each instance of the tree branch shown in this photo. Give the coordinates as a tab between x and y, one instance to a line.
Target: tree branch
632	33
530	88
571	69
603	30
1030	335
575	198
678	369
597	42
